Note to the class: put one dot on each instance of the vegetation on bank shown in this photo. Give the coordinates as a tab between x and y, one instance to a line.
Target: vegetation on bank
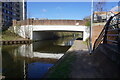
8	35
63	68
87	42
67	34
88	23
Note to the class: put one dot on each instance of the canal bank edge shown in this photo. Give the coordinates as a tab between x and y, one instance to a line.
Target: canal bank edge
61	69
8	38
65	62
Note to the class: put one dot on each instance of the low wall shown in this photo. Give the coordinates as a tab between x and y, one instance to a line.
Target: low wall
48	22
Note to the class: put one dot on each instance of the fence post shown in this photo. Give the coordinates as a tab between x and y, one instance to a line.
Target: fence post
105	35
106	30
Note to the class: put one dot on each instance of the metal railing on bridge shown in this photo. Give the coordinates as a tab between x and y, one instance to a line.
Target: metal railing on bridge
110	33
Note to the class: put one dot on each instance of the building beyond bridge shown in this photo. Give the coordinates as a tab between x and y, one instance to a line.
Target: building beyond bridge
11	11
103	16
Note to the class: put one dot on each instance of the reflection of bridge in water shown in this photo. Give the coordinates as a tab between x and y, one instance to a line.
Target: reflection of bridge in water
41	52
28	59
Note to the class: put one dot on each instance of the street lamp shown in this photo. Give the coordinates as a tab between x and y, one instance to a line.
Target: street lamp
119	6
91	27
23	9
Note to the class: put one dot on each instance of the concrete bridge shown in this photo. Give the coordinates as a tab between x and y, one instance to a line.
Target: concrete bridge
38	30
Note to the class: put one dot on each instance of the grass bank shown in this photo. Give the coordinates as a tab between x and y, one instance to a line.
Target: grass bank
8	35
63	68
67	34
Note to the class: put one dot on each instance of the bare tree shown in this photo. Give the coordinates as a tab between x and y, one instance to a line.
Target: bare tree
99	7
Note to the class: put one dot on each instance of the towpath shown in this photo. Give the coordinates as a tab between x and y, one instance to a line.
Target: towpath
96	65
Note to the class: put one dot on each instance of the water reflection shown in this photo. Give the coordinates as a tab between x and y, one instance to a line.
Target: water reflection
32	60
59	46
37	70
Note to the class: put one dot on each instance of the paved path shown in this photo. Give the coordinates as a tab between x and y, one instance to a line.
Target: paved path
78	45
91	66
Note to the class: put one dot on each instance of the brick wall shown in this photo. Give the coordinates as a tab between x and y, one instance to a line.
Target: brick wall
49	22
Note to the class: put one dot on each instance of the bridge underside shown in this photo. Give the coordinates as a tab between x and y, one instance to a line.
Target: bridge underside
40	29
45	35
38	35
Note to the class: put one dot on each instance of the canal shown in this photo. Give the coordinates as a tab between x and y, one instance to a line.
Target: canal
30	61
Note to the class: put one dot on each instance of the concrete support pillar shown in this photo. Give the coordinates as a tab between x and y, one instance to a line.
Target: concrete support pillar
84	36
86	33
31	32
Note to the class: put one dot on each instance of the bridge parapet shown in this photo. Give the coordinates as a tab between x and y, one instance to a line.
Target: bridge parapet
48	22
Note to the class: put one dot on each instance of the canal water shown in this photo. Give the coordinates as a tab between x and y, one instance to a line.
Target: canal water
32	61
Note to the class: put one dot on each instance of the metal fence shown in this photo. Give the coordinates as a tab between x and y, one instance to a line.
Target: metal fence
110	33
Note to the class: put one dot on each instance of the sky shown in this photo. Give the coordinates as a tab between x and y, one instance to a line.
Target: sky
62	10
